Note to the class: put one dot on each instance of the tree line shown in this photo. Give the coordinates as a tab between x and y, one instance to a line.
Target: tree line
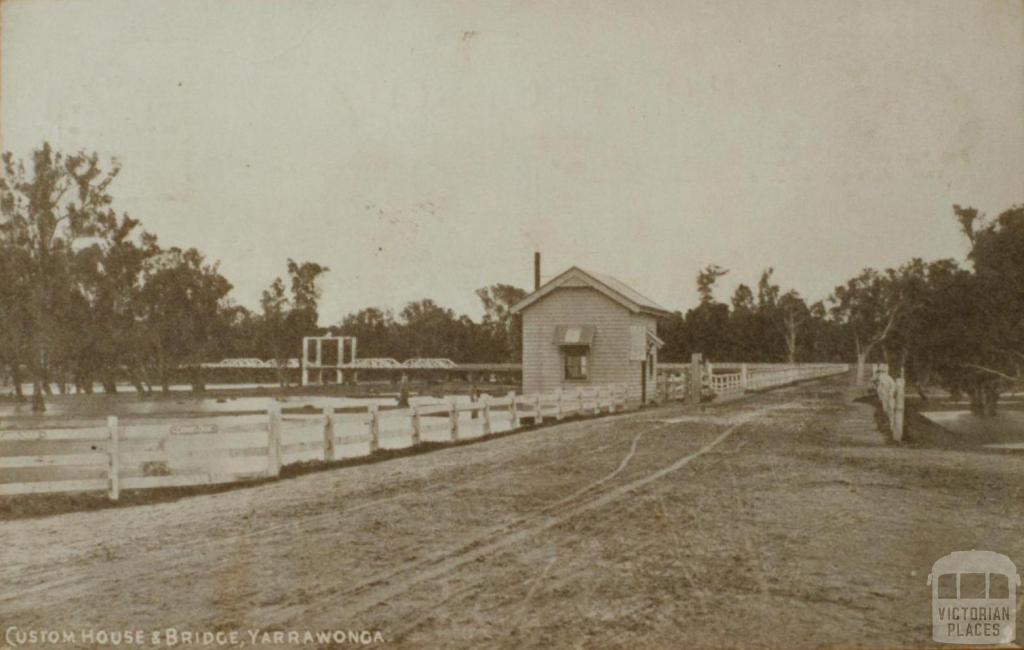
938	323
762	323
87	296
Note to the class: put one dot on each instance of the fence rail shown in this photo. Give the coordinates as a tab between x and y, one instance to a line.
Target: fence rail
727	384
125	455
206	451
892	396
767	377
750	377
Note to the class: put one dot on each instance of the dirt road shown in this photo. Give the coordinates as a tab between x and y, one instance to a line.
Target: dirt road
779	519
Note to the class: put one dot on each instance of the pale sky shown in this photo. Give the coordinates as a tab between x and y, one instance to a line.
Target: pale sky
424	149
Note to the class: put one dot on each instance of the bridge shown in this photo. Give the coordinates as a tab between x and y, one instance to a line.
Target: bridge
420	365
385	368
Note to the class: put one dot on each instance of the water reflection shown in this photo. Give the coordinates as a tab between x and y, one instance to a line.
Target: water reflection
1007	425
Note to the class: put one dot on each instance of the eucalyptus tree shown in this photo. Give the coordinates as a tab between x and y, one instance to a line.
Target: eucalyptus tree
782	316
109	275
867	307
991	340
499	324
792	314
286	318
46	206
708	322
185	311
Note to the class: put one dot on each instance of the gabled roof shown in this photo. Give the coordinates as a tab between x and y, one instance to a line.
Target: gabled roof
626	296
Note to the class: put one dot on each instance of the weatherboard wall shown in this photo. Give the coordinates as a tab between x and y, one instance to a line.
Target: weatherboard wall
543	365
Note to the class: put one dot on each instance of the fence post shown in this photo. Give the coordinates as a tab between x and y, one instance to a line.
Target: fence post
455	419
743	377
274	440
328	434
486	399
416	424
114	453
539	418
512	409
695	378
897	424
374	427
559	393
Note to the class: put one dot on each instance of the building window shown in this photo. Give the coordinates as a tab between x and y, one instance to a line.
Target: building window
577	363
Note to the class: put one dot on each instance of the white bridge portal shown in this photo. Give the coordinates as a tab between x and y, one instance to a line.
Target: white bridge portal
326	354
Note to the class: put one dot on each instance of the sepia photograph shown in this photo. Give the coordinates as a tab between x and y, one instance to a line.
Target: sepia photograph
519	324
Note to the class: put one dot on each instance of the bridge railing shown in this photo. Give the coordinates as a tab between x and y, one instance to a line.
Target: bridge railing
767	377
740	377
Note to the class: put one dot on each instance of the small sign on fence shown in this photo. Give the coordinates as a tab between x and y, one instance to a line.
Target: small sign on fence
192	429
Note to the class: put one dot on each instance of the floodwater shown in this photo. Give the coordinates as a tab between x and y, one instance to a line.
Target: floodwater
129	389
68	408
1004	431
100	406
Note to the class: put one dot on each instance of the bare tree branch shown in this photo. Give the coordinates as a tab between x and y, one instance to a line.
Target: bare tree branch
997	373
888	326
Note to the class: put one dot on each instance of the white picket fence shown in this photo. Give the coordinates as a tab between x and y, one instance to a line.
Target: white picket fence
131	455
892	396
763	376
727	384
767	377
206	451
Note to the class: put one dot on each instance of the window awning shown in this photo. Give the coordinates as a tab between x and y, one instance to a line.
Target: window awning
574	334
653	339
